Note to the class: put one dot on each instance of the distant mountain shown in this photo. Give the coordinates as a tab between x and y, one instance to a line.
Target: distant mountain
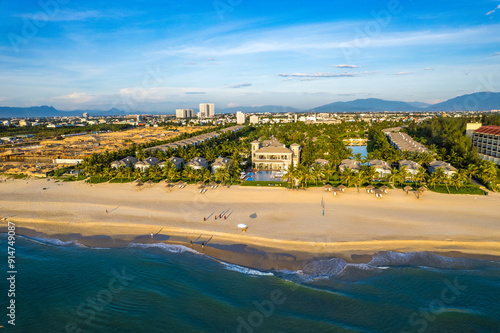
482	101
258	109
419	104
50	111
367	105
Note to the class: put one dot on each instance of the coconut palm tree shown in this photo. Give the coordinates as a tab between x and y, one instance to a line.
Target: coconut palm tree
421	175
206	175
403	174
317	172
359	178
121	173
154	172
347	176
393	176
173	173
189	172
138	173
471	171
290	175
219	175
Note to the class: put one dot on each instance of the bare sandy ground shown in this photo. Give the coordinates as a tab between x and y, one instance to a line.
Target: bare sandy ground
279	220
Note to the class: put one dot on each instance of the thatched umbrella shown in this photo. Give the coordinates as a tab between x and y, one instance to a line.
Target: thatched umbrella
150	182
418	193
200	183
202	189
168	182
341	187
139	184
407	188
328	187
423	188
384	188
369	189
378	193
138	181
335	190
213	184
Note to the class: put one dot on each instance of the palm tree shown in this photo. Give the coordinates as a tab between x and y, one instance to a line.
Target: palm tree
173	173
154	171
359	178
189	172
403	174
317	172
371	173
290	175
219	175
140	154
346	176
471	171
121	173
138	173
205	174
393	176
421	175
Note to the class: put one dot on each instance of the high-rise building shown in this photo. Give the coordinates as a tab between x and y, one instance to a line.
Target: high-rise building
184	113
86	115
254	119
487	141
207	110
240	118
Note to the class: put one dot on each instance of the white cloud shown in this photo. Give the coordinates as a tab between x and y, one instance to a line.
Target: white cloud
77	98
402	73
73	15
318	75
496	54
428	69
241	85
345	66
493	11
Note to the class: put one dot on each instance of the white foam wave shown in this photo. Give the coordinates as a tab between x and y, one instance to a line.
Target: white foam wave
244	270
54	241
422	259
167	247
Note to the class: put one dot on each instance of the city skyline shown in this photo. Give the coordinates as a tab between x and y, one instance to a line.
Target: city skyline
155	56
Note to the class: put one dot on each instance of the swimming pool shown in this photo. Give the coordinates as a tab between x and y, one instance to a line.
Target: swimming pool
265	176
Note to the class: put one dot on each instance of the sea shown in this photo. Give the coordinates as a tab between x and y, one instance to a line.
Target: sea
66	287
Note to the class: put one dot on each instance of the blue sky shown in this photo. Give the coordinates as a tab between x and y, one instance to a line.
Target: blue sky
158	56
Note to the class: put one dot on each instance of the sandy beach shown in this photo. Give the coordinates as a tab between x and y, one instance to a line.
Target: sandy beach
285	228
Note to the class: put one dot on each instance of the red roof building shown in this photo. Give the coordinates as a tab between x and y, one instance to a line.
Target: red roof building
487	141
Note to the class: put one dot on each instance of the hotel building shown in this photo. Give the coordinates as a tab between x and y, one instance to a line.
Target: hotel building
184	113
274	155
487	141
207	110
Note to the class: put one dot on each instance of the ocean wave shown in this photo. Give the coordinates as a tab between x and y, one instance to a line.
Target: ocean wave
167	247
423	259
53	241
244	270
328	267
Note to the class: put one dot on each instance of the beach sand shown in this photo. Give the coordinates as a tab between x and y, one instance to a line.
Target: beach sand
286	228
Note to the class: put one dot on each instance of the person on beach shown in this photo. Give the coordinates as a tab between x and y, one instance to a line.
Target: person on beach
204	219
152	235
106	211
203	245
191	244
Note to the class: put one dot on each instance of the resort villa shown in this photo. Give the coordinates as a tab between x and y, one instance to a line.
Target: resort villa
274	155
351	164
321	162
381	167
176	161
198	163
487	141
220	163
147	163
446	167
411	167
126	162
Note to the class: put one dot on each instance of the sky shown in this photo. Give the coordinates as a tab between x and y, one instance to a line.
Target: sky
156	56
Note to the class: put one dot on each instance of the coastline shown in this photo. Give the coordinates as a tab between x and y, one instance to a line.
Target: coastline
286	228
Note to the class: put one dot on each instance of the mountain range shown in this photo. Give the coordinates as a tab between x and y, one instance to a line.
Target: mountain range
482	101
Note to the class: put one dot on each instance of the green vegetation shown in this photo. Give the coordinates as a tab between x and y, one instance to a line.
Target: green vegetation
43	131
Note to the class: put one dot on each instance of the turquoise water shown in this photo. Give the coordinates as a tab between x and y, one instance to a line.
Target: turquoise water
266	176
359	149
63	287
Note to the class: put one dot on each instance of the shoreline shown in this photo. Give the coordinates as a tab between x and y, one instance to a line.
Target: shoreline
286	228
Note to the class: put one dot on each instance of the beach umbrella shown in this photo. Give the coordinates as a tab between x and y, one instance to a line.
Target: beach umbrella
384	188
418	193
168	182
200	183
369	188
422	188
328	187
335	190
242	226
378	193
341	187
407	188
150	182
138	181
